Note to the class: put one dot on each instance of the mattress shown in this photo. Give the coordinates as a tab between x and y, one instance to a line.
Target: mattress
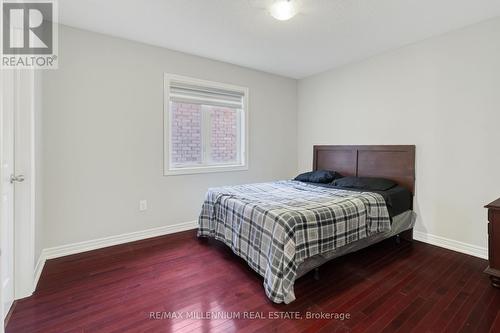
398	199
400	223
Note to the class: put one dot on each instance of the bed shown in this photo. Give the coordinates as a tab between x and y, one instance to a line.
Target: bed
285	229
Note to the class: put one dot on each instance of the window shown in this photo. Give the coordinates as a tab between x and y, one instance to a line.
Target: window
205	126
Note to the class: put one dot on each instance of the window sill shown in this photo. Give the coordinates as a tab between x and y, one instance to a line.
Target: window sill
211	169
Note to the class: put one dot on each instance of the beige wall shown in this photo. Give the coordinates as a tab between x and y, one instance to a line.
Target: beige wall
443	95
103	137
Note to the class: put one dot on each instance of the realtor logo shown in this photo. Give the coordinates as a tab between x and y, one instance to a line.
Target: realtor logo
29	34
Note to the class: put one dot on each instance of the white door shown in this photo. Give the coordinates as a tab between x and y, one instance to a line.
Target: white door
7	190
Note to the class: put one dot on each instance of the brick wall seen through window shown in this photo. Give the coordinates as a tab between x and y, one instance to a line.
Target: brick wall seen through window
223	135
186	133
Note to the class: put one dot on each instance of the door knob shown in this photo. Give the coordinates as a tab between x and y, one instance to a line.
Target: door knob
17	179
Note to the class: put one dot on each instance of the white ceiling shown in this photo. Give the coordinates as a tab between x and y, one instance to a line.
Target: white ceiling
326	33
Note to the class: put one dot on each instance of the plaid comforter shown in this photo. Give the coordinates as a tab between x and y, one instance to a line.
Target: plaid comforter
276	226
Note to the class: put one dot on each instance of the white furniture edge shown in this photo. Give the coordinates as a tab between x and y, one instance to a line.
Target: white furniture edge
450	244
64	250
68	249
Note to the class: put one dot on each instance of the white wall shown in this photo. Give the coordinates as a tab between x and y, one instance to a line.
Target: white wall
103	137
38	111
102	130
443	95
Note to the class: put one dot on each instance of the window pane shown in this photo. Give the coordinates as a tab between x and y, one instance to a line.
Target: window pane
223	135
186	134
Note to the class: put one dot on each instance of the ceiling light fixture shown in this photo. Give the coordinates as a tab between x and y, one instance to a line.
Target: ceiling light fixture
283	10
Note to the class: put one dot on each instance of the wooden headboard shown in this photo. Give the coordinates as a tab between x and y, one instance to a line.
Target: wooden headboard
392	162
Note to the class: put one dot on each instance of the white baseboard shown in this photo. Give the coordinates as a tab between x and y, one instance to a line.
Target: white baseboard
68	249
450	244
38	270
64	250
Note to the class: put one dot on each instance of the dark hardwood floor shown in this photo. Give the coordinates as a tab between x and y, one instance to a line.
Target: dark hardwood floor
385	288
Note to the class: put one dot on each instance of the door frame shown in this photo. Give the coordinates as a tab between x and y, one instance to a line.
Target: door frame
26	102
24	193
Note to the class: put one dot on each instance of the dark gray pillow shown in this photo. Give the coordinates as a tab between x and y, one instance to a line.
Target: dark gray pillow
320	176
365	183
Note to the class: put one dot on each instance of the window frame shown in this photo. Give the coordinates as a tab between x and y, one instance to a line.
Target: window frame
168	168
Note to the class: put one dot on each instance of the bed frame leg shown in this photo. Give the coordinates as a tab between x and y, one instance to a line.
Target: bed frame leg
316	274
406	235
